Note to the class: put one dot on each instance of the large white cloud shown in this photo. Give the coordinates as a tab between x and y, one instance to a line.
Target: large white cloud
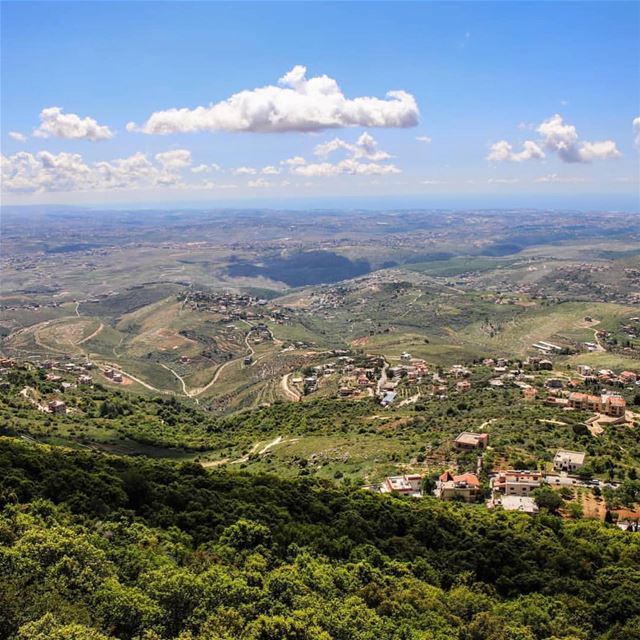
563	139
54	123
298	104
556	137
503	151
363	158
47	172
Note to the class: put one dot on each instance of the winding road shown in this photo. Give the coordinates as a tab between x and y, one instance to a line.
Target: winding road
289	393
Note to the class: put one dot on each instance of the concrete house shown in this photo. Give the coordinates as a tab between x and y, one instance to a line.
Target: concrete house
614	406
568	461
465	486
57	406
467	441
410	485
516	483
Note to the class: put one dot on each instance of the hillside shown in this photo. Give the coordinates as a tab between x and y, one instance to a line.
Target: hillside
132	548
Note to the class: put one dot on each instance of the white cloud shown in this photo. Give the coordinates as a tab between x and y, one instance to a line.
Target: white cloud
598	151
298	104
363	158
54	123
502	151
48	172
555	178
259	183
296	161
206	168
364	147
563	139
557	137
244	171
16	135
636	131
270	171
176	159
348	166
433	182
424	139
502	180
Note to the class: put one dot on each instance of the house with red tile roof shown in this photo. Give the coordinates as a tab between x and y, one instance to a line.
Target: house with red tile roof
450	487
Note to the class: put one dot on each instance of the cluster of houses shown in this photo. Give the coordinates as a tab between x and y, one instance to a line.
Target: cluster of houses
607	376
234	306
608	403
511	489
114	375
357	377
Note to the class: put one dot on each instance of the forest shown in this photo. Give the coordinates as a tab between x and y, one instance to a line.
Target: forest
95	546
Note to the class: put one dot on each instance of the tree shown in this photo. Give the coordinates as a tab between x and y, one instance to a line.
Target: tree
245	534
575	510
547	498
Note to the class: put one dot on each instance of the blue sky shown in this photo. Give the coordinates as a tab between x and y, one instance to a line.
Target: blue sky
513	102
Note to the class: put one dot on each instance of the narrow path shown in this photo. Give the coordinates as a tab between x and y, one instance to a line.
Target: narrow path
25	394
186	391
135	379
598	343
271	444
251	351
93	335
383	377
289	393
246	457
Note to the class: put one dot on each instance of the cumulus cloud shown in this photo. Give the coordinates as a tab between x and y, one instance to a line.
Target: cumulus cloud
295	161
636	131
244	171
364	147
297	104
557	137
502	151
176	159
270	171
363	158
347	166
47	172
54	123
206	168
563	139
424	139
16	135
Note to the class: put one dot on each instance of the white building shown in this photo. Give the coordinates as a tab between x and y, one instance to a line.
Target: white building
569	461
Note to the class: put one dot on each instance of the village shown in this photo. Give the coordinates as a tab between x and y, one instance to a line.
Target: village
403	381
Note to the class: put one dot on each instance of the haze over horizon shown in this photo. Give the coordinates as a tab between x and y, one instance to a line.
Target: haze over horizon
457	105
